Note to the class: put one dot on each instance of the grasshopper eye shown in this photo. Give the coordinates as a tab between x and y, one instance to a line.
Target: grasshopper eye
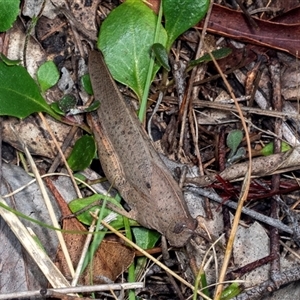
179	227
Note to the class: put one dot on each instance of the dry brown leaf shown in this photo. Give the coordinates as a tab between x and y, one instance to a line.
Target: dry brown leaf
35	135
232	23
110	260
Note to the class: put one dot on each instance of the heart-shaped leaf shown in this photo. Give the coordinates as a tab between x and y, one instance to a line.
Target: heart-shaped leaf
125	38
82	154
47	75
181	15
233	140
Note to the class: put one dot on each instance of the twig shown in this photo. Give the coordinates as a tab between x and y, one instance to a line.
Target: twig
84	251
47	201
222	166
269	286
248	17
262	166
238	273
64	146
79	289
257	111
274	69
49	207
244	190
255	215
191	81
44	176
158	102
61	154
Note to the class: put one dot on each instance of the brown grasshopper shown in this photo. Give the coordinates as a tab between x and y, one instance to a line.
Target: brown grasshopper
131	163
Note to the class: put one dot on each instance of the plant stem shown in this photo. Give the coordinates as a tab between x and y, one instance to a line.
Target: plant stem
143	108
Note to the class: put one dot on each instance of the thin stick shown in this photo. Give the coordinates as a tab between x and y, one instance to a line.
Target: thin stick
84	251
78	289
61	154
258	111
50	208
244	191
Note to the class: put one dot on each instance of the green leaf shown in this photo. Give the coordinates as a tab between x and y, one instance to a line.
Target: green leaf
55	107
66	103
86	218
218	54
19	94
231	291
94	106
204	284
9	11
181	15
234	138
161	55
146	239
80	177
47	75
239	154
131	270
86	83
75	110
9	62
125	38
269	148
82	154
83	109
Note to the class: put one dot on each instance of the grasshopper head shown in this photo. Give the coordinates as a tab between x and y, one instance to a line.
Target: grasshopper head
180	231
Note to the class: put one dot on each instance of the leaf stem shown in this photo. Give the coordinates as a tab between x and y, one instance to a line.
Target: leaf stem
143	108
131	269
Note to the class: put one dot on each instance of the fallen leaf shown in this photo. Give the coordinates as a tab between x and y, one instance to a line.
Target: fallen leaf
291	16
110	260
233	24
35	135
